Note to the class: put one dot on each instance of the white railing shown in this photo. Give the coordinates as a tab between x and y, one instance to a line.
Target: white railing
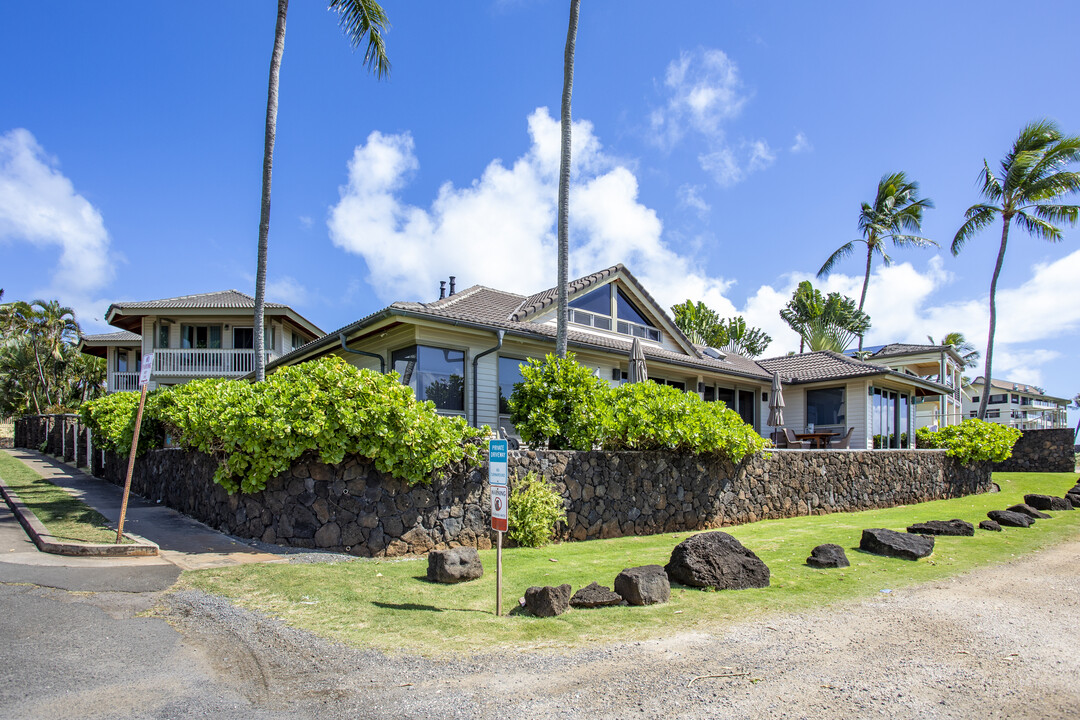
205	363
123	381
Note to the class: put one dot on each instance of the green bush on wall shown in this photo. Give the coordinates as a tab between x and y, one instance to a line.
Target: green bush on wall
971	441
258	430
560	403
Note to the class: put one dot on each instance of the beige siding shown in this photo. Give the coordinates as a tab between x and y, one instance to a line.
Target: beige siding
857	404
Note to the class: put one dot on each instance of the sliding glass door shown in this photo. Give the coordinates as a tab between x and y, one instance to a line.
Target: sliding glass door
890	416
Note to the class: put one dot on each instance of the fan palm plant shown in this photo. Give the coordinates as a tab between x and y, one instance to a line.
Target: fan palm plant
896	212
362	20
1032	177
563	316
824	322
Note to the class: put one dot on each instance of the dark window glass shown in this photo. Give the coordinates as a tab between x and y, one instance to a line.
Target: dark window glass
121	361
975	398
163	336
746	406
627	311
681	387
200	336
598	301
509	375
825	406
710	393
435	374
243	338
726	396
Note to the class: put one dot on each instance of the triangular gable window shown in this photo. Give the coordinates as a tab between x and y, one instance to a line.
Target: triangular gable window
595	308
598	301
628	311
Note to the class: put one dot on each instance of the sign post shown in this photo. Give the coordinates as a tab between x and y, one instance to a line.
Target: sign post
144	380
497	462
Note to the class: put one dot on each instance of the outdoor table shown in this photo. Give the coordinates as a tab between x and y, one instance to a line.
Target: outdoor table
818	439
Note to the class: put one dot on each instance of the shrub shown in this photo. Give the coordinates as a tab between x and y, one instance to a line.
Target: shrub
559	402
534	509
971	441
111	419
650	416
328	407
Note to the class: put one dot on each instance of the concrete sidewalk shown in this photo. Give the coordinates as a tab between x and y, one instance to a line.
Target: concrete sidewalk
184	542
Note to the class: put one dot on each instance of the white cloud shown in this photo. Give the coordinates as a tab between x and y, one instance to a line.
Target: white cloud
500	229
801	144
306	221
690	197
761	156
286	290
722	165
39	205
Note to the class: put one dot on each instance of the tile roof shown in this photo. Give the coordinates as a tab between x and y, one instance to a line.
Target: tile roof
219	299
907	349
543	300
1015	387
821	365
122	336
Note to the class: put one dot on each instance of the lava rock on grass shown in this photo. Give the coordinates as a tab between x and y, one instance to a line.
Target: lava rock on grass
1008	518
594	595
644	585
1025	509
954	527
990	525
890	543
1073	498
454	565
717	560
1047	502
828	556
547	601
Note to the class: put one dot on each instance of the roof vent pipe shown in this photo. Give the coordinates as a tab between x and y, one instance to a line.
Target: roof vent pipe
442	289
453	284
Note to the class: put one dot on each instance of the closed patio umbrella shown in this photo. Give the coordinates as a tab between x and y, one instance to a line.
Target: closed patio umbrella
776	403
638	372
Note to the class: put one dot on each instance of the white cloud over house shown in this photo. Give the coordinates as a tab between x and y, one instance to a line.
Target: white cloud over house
40	206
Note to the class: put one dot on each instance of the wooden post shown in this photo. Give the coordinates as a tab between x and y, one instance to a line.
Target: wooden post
131	466
498	573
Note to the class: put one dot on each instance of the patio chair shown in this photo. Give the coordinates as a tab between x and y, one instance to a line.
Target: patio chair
795	443
843	442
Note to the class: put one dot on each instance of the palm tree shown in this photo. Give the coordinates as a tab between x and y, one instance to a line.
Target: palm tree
697	321
564	182
824	322
702	326
360	19
969	356
896	209
1033	175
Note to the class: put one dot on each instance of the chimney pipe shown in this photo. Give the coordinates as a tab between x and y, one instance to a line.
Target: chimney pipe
442	289
453	284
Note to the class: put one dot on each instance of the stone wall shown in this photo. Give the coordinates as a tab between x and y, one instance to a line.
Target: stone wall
353	507
1041	451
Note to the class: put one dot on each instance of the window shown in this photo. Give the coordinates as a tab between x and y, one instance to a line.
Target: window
122	361
746	406
680	386
243	338
163	336
998	399
297	341
975	398
594	309
435	374
200	337
509	375
825	406
1015	399
890	418
726	396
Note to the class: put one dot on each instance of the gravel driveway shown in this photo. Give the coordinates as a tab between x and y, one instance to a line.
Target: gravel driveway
996	642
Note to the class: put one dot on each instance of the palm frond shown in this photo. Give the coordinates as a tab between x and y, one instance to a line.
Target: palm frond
1052	186
1058	213
365	20
977	218
839	254
1038	227
991	186
913	241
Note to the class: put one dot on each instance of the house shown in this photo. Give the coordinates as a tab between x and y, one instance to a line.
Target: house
1017	405
940	363
193	336
463	351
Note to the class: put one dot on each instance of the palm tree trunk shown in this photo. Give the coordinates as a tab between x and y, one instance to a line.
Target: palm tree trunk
41	375
564	182
268	168
865	283
987	376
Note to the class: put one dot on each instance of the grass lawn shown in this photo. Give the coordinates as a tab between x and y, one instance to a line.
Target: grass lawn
388	604
68	519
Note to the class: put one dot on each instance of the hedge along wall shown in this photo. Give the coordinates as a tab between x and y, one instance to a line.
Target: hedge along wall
353	507
1041	451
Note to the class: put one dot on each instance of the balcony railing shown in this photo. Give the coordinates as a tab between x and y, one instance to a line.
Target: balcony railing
123	381
205	363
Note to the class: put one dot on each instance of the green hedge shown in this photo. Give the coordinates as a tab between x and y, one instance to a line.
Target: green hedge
563	404
258	430
971	441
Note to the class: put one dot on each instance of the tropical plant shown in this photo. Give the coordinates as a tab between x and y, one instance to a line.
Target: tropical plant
896	211
563	316
824	322
361	20
1032	177
971	441
703	326
969	356
534	509
559	402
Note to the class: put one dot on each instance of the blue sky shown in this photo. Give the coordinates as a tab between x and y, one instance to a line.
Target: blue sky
721	152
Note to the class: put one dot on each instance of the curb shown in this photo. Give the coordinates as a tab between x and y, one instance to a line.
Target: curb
46	542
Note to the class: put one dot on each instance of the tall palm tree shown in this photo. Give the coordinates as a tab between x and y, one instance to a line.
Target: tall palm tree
1033	176
563	316
361	20
896	211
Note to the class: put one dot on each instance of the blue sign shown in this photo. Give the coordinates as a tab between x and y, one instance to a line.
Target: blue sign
497	461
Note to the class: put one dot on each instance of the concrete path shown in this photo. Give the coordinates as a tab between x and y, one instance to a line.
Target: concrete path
185	543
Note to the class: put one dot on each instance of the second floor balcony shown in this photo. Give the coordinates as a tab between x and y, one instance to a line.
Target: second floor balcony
202	362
